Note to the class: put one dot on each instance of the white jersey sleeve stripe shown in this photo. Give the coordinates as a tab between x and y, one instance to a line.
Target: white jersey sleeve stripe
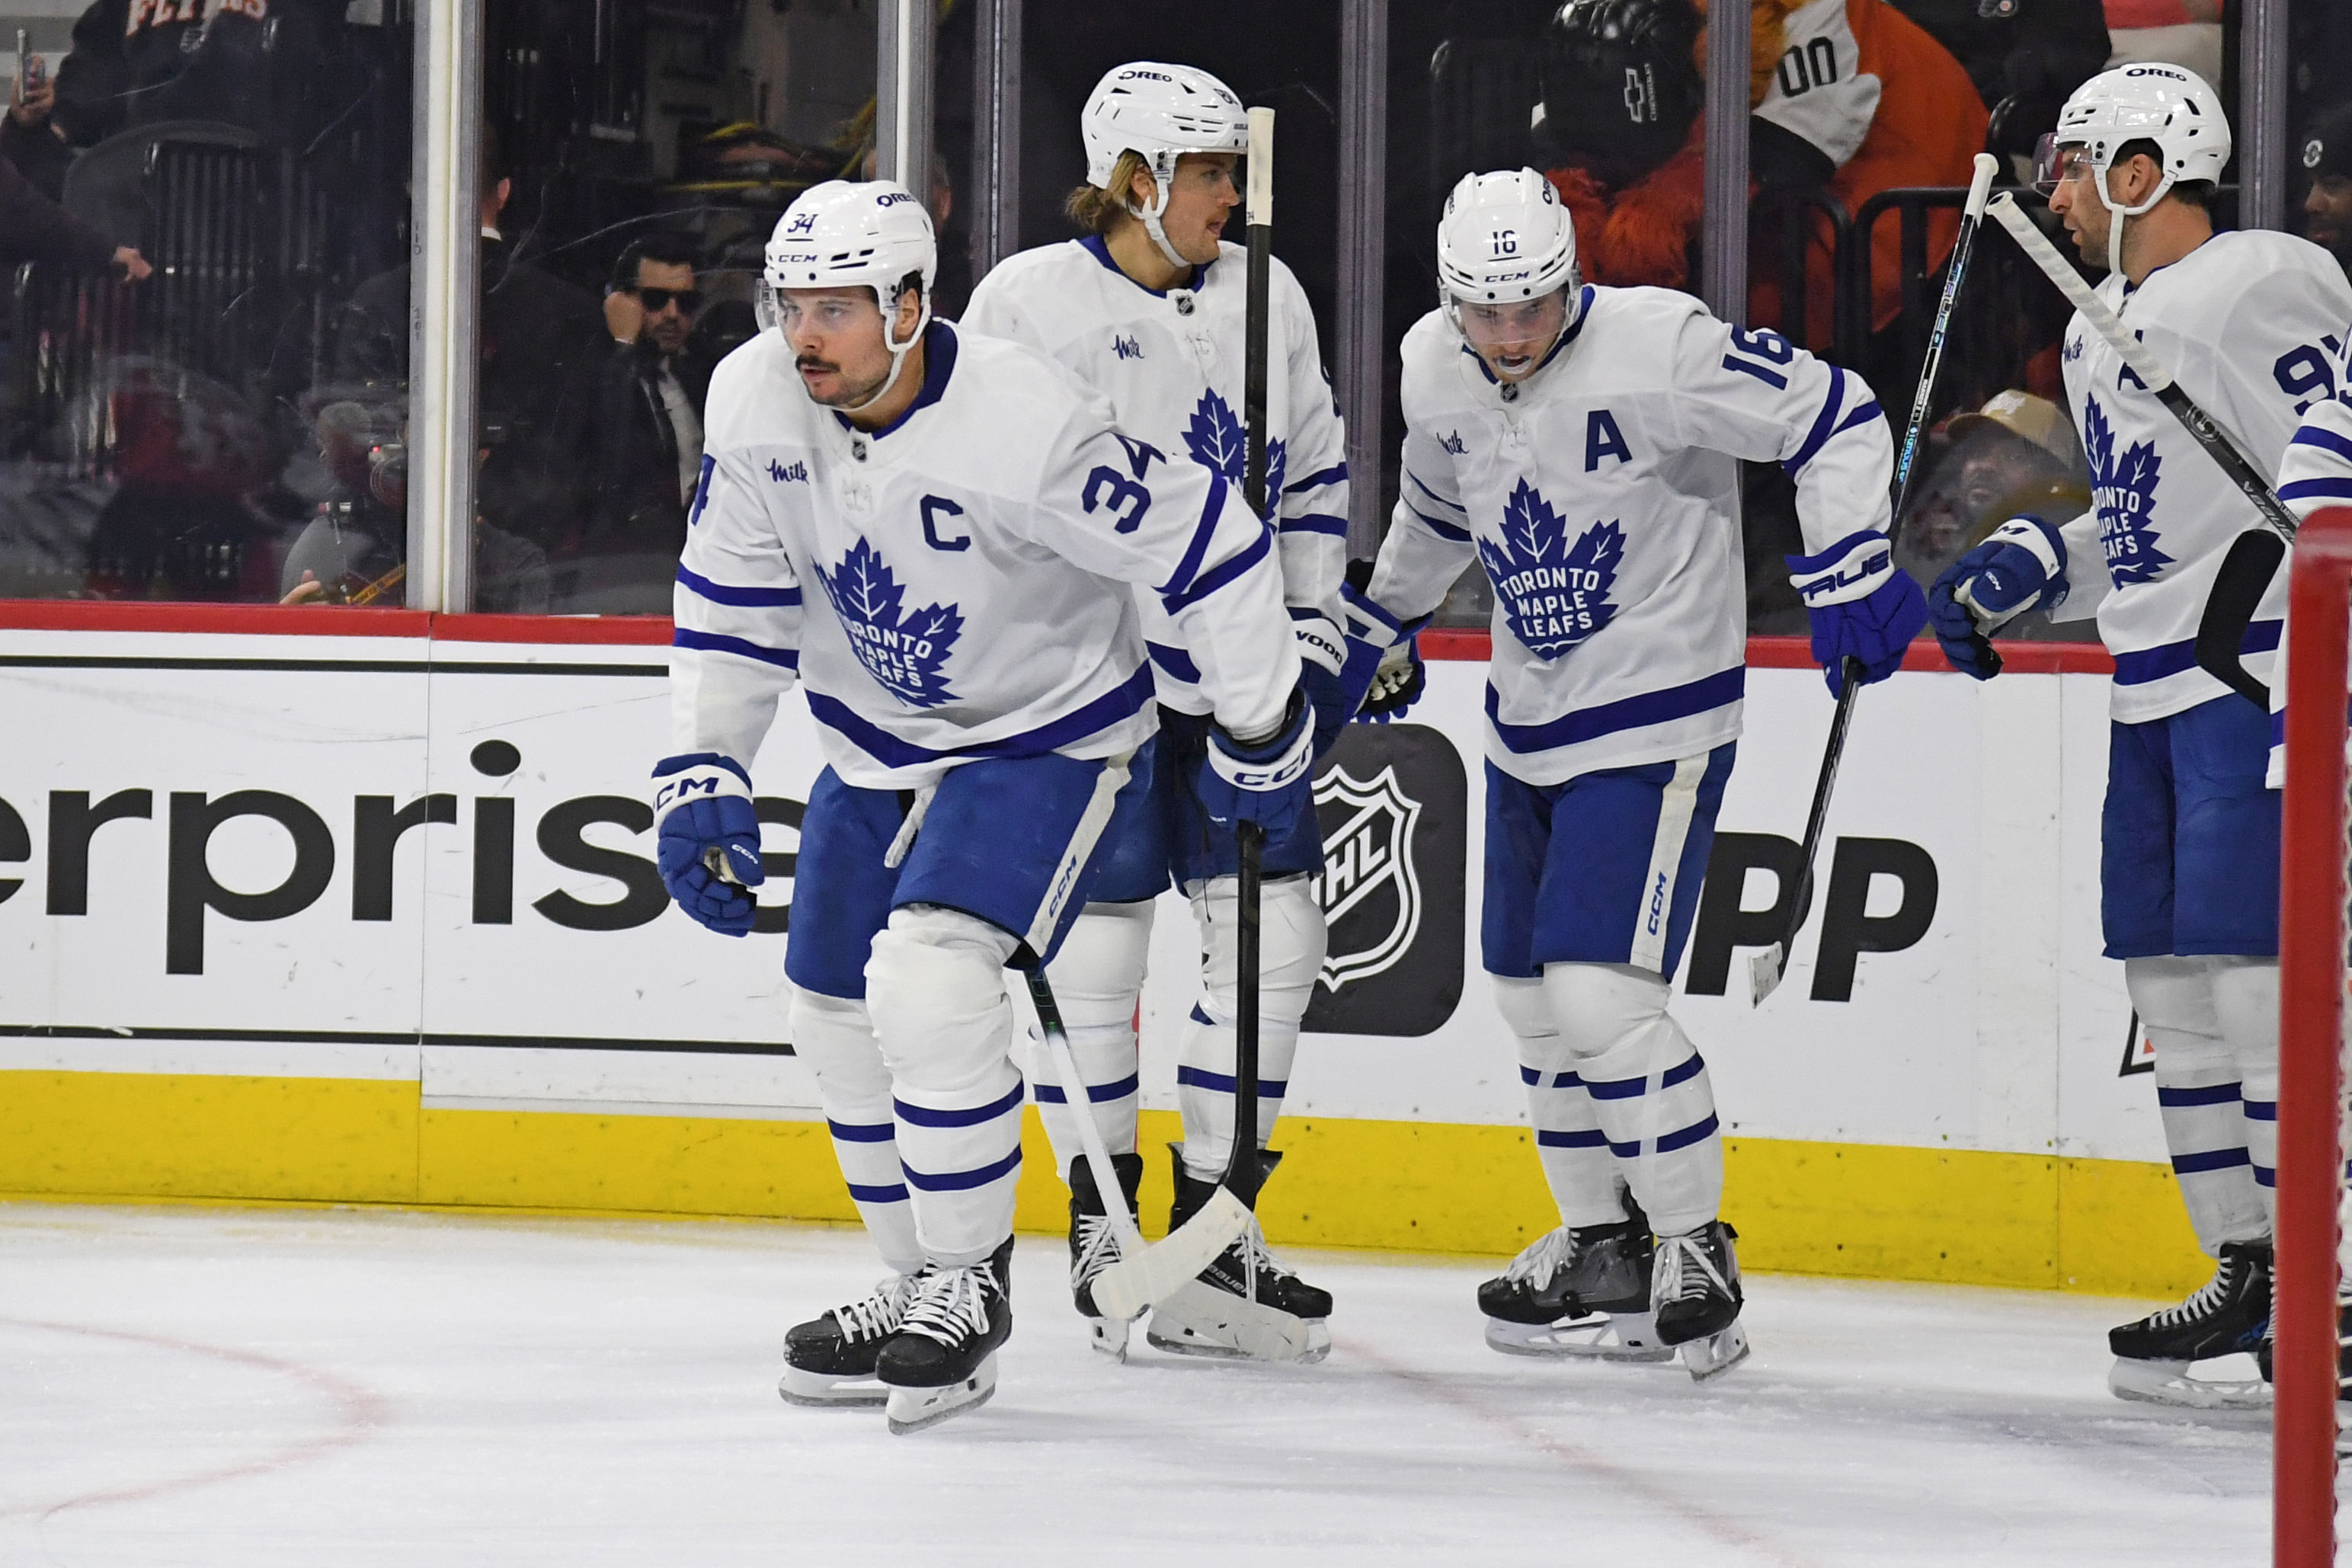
742	598
1226	570
2315	490
719	642
1336	475
1445	530
1824	425
1316	523
1422	486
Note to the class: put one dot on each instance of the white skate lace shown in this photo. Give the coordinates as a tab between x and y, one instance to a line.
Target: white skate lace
951	1304
1683	1263
1097	1250
1257	1261
2204	1303
1543	1258
879	1315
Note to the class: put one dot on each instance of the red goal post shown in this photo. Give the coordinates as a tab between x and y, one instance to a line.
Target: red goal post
2312	978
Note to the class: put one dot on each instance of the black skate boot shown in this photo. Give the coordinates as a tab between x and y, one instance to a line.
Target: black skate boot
1696	1295
2262	1354
2231	1312
943	1359
1577	1292
830	1360
1094	1246
1245	1304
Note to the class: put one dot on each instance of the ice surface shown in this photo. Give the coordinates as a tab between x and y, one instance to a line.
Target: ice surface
260	1388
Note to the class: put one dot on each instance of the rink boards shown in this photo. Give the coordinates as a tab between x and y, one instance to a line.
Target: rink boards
369	914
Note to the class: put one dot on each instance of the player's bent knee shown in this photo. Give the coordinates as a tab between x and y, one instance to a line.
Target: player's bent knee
1605	1010
836	1037
935	988
1292	940
1099	971
2246	1005
2173	996
1528	1010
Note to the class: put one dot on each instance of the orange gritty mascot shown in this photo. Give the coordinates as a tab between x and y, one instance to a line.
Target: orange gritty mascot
1846	96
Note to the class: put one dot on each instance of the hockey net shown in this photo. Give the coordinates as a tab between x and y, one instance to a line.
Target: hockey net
2316	890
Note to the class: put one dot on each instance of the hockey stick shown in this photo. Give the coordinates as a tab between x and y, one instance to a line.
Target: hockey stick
1766	969
2254	556
1146	1274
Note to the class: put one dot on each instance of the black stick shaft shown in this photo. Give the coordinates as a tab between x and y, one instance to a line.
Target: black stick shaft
1817	818
1243	1171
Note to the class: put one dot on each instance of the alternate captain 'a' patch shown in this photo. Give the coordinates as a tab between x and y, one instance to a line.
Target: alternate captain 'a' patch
2123	489
1554	592
1219	442
906	653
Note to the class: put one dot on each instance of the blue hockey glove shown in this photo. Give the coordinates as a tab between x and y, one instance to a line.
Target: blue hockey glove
1862	605
2020	566
1268	784
707	844
1322	654
1384	676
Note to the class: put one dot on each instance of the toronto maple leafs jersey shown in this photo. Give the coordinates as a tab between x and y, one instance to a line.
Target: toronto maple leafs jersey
955	585
1602	494
2251	324
1172	363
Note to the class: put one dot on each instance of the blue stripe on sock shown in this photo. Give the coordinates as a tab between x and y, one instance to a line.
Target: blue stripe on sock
1671	1141
979	1115
1224	1083
1535	1080
2209	1094
862	1133
2261	1109
1594	1139
1682	1071
2213	1160
964	1181
1052	1094
893	1194
2264	1176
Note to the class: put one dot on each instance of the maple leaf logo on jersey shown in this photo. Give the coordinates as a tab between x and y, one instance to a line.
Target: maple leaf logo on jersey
2123	489
1555	593
1219	442
905	653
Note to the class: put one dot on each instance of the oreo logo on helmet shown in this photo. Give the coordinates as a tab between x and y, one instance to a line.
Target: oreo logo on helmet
1146	76
2170	73
892	198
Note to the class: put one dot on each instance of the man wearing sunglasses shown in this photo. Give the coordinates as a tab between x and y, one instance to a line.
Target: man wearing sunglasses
649	408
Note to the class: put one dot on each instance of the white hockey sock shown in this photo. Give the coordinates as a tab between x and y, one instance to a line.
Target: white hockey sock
1290	956
2198	1095
833	1036
2246	1005
1577	1164
935	986
1097	976
1648	1086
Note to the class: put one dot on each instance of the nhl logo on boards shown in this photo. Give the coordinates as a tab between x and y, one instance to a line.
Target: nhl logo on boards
1393	804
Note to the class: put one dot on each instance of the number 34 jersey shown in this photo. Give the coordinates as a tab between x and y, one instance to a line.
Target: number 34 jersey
955	585
2251	324
1601	496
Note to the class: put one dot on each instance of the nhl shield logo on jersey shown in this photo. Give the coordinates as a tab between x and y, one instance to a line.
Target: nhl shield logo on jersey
2123	488
1367	865
1219	443
1555	593
905	653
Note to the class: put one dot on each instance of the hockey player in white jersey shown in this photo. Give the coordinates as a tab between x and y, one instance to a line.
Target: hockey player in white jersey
935	533
1148	309
1583	444
2250	323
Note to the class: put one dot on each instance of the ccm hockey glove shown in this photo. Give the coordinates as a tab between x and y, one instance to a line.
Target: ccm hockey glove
708	847
1384	676
1862	605
2020	566
1270	783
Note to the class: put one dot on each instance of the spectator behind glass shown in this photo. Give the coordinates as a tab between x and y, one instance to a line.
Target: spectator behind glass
541	338
2325	216
29	137
2031	53
648	428
2186	33
35	228
2017	455
1897	110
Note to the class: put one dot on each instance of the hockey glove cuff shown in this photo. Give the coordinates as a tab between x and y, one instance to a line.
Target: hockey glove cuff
707	844
1862	607
2020	566
1382	676
1320	641
1269	784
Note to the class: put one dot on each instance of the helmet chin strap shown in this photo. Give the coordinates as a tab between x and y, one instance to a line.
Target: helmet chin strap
1164	174
898	350
2116	216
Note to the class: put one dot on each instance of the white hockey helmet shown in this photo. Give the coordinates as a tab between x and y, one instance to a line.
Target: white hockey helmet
1159	112
1505	237
840	236
2152	101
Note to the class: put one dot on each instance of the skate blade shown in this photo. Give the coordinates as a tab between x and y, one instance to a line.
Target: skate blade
830	1391
914	1409
1626	1337
1107	1336
1201	1319
2169	1383
1717	1354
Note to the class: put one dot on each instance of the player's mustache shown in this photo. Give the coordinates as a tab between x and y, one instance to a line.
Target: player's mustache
810	362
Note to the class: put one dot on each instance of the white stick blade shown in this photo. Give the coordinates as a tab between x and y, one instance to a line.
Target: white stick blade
1764	973
1150	1277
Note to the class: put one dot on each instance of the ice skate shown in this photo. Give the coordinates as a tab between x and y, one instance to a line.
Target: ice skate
1695	1293
830	1360
1094	1246
2229	1314
1245	1305
1583	1292
943	1361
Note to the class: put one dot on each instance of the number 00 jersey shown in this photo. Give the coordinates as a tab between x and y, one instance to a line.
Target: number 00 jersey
1601	495
2251	324
955	585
